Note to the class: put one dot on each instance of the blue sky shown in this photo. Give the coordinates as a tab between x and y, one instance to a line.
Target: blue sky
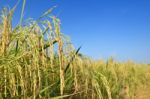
104	28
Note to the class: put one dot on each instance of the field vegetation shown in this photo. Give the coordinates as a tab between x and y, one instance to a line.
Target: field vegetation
37	61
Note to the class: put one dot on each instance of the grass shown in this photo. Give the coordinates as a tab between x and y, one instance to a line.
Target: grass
29	71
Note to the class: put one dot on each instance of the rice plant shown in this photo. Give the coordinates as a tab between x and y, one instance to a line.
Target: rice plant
37	61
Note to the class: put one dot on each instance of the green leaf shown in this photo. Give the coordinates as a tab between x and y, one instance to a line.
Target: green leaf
22	11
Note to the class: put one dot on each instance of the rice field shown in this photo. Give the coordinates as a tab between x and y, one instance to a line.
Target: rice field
38	61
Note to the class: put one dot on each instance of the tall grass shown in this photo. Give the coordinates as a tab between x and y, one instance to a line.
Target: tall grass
38	61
